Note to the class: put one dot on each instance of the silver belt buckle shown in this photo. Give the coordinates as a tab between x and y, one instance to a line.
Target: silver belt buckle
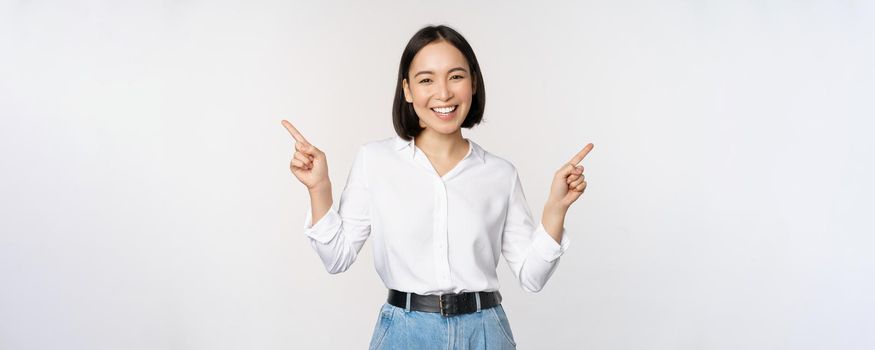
441	304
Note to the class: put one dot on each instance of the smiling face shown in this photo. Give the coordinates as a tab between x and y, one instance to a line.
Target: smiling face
440	87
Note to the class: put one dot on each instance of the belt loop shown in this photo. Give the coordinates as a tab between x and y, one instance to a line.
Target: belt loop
407	307
477	296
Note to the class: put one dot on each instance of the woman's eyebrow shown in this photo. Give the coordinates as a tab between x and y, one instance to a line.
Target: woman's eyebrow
449	71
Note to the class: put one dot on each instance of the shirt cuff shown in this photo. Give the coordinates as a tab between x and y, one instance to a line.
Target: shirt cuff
325	229
546	246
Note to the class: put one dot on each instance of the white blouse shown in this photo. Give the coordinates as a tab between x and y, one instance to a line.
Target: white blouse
435	234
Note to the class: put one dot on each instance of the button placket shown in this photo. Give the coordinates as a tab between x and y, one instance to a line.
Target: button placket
440	233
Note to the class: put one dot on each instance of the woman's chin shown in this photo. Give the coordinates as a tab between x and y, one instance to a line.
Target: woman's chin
443	129
441	126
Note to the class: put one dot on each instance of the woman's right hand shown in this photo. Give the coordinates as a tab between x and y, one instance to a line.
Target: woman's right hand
309	164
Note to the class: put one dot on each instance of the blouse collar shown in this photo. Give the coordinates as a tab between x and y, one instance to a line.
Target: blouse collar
407	147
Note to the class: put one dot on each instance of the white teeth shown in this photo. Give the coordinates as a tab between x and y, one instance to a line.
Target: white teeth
444	110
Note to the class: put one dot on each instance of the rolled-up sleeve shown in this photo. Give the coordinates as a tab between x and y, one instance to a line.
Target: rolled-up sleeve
339	235
529	250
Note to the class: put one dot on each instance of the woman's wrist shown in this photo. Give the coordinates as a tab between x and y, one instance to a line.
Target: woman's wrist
555	208
553	219
320	188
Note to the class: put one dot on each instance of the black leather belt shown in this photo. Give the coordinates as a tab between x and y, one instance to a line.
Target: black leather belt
447	304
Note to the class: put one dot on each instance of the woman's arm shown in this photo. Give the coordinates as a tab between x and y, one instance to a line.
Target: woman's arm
553	219
321	200
336	235
568	185
531	252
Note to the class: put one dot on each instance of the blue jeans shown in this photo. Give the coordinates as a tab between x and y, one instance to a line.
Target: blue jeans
399	328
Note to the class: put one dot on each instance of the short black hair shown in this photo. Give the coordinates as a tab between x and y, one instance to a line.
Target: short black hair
403	115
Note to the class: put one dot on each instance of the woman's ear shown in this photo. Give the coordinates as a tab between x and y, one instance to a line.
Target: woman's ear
473	85
408	96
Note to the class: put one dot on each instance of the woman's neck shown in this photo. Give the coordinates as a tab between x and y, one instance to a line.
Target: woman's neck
441	145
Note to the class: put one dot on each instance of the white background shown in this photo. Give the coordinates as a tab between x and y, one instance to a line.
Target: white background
146	200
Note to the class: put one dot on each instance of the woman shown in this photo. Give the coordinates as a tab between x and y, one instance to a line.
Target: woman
442	209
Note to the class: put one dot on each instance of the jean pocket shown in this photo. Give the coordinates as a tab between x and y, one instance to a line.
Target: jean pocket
384	320
503	323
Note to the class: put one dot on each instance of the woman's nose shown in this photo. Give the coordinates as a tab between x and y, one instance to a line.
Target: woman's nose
444	92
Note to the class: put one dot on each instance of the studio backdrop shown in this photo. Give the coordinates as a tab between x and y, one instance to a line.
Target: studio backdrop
146	200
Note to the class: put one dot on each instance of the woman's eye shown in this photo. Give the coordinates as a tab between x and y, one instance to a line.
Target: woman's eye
459	76
424	80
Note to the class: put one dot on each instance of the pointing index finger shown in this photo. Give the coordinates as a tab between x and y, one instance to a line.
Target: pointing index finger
295	134
580	155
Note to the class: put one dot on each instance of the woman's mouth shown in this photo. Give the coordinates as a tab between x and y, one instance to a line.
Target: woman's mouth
445	113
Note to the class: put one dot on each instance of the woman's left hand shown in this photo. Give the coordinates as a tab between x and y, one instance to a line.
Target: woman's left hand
569	181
